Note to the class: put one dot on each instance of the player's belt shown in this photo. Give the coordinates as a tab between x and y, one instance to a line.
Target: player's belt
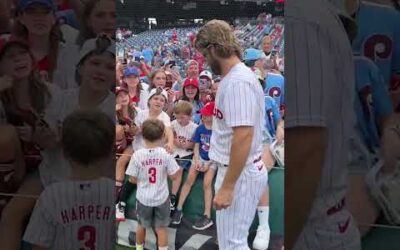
255	161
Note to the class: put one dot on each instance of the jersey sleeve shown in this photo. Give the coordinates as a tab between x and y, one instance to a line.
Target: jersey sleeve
307	48
41	230
133	166
240	114
172	165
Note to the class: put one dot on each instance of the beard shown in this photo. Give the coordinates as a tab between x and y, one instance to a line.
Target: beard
215	67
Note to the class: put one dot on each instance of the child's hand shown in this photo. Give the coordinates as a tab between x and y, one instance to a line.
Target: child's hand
169	147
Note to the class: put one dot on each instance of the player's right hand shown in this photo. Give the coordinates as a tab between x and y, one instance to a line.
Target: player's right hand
6	82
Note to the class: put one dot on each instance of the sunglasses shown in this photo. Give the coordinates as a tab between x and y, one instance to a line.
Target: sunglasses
103	42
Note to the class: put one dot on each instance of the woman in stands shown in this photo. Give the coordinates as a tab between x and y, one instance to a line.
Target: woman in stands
27	105
36	23
98	17
191	93
131	81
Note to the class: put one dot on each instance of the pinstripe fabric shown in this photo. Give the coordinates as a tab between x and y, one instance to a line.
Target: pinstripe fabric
239	102
73	214
233	223
320	91
152	167
184	133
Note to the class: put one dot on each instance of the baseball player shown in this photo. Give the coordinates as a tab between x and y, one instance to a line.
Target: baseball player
78	213
149	168
236	142
318	128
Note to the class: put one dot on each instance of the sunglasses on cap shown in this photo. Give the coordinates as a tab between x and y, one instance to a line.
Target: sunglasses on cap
103	42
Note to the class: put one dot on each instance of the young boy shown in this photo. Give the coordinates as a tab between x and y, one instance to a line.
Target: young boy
149	168
79	212
201	163
183	128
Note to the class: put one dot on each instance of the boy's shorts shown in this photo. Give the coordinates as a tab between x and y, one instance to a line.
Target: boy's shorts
184	162
153	216
212	164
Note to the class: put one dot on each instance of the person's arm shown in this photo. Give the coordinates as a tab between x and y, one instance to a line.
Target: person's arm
169	135
133	179
305	153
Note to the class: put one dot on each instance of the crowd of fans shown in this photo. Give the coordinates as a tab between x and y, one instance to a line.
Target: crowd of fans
55	57
160	75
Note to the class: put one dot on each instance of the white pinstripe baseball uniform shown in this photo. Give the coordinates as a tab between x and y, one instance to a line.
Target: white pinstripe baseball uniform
152	167
54	167
239	102
183	133
320	93
74	215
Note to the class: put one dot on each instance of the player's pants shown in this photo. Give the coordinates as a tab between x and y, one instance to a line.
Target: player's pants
233	223
337	231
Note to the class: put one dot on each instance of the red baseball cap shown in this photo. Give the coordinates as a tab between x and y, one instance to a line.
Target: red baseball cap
191	82
7	41
208	109
120	89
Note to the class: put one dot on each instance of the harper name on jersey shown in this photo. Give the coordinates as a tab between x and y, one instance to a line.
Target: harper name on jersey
85	212
152	162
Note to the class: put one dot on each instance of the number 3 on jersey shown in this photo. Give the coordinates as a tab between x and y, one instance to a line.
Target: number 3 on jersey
152	175
87	236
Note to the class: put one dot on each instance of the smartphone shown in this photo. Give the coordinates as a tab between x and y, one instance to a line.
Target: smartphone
172	63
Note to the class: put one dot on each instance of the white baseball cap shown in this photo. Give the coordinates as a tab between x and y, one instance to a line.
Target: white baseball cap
153	92
206	73
94	43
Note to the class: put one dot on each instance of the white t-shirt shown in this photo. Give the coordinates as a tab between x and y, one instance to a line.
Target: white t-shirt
183	133
239	102
152	167
142	116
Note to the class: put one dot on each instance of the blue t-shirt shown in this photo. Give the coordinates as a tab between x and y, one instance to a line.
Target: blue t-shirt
275	88
379	40
202	135
272	115
372	101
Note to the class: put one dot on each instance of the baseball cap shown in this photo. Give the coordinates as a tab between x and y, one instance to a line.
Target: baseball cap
120	89
102	43
191	82
131	71
208	109
24	4
8	40
253	54
141	57
206	73
162	92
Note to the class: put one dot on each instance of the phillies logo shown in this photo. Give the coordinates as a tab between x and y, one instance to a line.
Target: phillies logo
218	114
274	92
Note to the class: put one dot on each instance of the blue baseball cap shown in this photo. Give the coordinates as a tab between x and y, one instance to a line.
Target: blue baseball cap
24	4
253	54
131	71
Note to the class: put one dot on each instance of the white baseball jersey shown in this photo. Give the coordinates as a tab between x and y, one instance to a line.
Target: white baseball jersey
239	102
74	215
183	133
320	93
142	116
152	167
54	166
